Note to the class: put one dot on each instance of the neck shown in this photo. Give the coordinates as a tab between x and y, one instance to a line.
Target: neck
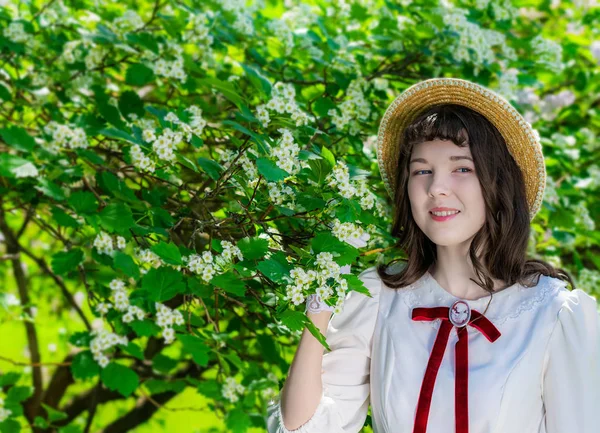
453	271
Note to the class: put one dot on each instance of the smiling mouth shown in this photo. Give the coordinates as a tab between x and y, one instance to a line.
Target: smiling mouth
443	218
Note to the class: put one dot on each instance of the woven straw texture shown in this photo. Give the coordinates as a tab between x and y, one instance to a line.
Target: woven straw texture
522	142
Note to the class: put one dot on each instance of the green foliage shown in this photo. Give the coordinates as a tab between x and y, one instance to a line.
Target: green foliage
173	175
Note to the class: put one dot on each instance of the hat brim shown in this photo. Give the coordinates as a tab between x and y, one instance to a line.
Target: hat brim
523	144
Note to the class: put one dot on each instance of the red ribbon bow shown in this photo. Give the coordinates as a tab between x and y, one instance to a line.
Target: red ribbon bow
461	389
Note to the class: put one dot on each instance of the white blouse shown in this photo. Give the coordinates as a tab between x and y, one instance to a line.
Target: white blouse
541	375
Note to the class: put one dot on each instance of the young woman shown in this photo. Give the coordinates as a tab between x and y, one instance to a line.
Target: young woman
468	335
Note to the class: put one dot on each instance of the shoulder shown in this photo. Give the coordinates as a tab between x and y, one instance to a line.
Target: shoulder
564	299
366	291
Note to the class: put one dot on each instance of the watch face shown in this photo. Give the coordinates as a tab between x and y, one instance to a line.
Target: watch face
460	314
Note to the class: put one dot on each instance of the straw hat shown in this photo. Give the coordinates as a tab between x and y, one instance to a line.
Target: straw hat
523	143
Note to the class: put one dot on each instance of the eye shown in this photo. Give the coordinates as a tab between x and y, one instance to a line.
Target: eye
462	168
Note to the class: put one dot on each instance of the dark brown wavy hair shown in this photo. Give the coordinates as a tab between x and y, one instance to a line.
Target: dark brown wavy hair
503	238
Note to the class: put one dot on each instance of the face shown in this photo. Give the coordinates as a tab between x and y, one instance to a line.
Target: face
442	177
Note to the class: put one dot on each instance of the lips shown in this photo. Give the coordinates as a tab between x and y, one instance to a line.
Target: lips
443	218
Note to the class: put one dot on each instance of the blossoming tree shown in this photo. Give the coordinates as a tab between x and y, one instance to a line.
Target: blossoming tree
177	177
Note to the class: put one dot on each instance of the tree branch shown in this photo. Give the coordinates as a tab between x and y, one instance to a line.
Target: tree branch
12	247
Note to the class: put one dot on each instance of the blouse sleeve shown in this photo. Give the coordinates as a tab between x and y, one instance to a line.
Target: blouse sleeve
345	375
571	387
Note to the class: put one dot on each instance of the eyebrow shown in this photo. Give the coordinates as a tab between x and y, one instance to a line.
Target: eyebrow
452	158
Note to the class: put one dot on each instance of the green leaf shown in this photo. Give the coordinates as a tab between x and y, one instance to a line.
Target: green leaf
158	386
139	75
238	421
163	363
8	163
10	426
117	377
116	217
209	388
117	134
230	283
5	94
210	167
63	219
274	268
9	378
317	333
125	263
134	350
38	421
145	328
326	242
195	347
116	187
17	394
84	366
253	248
295	320
66	261
257	79
309	202
257	138
163	283
356	284
226	88
83	202
80	339
53	414
108	111
130	102
143	39
328	156
270	171
168	252
50	189
17	138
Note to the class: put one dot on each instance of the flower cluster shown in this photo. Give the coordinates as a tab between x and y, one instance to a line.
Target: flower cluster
170	68
95	56
148	256
64	136
16	33
105	244
284	34
207	265
279	192
202	265
340	178
326	268
232	389
283	101
351	233
227	156
287	152
272	236
164	144
140	160
475	44
354	107
4	413
547	53
129	21
104	340
165	318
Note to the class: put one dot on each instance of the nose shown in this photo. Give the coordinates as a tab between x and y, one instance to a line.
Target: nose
438	186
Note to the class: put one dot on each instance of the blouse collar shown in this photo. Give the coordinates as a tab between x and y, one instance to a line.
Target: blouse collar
506	304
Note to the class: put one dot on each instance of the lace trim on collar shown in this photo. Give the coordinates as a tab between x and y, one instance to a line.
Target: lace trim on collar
505	306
